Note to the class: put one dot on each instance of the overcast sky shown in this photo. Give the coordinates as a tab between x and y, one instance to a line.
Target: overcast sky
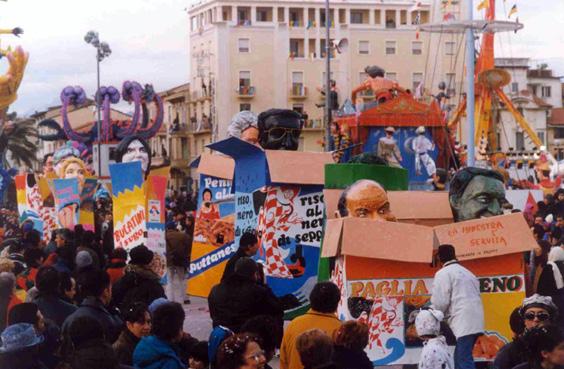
149	40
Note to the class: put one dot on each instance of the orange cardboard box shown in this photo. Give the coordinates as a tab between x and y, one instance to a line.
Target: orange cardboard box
417	207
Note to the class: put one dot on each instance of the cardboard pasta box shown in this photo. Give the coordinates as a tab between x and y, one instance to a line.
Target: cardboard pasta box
385	273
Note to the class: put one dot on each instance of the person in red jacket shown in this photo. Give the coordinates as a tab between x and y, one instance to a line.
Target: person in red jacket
116	266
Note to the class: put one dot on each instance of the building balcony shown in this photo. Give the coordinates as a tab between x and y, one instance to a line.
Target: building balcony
245	92
298	92
201	126
179	129
196	96
314	124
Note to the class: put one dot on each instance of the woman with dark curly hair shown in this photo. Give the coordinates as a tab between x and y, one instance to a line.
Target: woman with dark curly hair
545	347
241	351
134	148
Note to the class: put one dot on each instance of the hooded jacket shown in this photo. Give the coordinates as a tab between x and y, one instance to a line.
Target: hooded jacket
551	281
154	353
138	284
94	308
54	308
238	299
548	281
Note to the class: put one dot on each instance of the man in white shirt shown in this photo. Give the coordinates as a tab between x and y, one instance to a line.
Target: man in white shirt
456	292
421	145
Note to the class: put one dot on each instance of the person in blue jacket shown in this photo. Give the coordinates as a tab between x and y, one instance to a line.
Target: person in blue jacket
157	351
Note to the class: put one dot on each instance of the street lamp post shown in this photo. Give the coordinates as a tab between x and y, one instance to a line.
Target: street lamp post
327	78
102	51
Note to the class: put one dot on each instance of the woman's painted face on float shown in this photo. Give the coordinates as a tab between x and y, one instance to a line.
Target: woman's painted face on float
137	152
74	170
250	135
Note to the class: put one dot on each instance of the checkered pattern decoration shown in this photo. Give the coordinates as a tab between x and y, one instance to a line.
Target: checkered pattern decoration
271	220
382	319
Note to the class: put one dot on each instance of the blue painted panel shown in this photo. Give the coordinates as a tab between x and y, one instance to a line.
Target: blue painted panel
404	137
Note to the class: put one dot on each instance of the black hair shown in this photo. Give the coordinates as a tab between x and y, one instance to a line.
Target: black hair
248	239
83	329
374	71
119	253
168	320
33	238
47	280
446	253
516	322
32	256
121	149
93	282
368	158
325	297
135	313
464	177
64	233
67	254
88	238
538	230
25	312
200	352
541	339
47	156
265	327
65	282
206	190
342	204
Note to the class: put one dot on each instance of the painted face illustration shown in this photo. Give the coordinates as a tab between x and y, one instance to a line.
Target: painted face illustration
483	197
74	170
137	152
48	167
367	199
250	135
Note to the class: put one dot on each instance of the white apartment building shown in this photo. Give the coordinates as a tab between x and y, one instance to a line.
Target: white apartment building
255	55
534	92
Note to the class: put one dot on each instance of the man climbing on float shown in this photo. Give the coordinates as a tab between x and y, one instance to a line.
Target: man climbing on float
421	146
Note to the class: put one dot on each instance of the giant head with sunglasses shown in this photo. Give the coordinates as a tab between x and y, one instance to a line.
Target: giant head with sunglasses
538	311
280	129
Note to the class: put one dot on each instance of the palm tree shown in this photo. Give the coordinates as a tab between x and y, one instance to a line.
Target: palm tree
18	143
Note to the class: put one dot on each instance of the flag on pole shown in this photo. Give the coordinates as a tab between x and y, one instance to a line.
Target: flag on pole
512	11
484	4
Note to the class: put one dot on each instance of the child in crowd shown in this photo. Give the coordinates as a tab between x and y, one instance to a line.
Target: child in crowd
435	353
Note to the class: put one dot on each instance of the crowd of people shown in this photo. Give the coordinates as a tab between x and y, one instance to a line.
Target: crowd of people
76	302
